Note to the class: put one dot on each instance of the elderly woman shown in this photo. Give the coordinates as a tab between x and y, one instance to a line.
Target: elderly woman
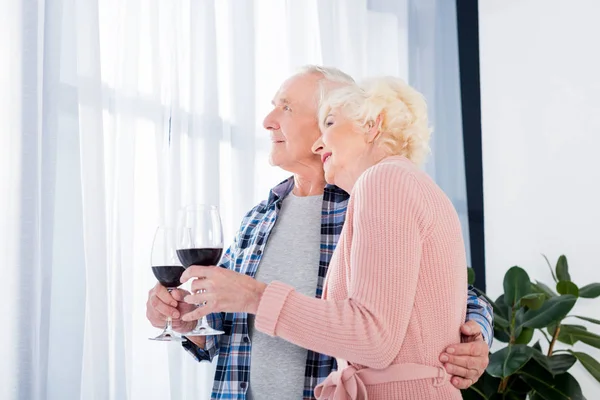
395	292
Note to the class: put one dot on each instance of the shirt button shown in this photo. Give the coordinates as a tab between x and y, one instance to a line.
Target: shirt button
246	339
259	252
243	385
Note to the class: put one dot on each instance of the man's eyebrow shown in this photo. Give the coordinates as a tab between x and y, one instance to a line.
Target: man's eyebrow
281	101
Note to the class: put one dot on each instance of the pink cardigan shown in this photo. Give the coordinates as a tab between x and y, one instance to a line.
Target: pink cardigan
396	290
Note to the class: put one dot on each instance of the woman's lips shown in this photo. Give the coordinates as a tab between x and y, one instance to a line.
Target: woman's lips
325	157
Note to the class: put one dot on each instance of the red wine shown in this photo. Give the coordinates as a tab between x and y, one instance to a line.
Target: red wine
205	256
168	275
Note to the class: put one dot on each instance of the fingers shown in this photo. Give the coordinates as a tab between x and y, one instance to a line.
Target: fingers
160	307
201	284
197	271
466	361
470	328
196	314
473	349
460	383
179	294
163	294
462	367
202	297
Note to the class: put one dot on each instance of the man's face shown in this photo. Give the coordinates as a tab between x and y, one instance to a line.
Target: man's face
293	124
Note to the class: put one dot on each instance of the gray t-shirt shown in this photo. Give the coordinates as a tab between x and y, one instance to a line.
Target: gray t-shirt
291	256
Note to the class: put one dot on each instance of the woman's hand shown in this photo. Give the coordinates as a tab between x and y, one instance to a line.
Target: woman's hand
221	290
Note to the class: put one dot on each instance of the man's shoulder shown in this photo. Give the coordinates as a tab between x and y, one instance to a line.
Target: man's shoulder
258	211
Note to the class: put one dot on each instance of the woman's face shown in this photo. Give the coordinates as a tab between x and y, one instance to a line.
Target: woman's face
342	146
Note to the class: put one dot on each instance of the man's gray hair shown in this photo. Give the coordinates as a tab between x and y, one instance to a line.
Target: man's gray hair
329	73
332	78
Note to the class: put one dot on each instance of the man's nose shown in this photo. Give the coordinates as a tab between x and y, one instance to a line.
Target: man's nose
270	122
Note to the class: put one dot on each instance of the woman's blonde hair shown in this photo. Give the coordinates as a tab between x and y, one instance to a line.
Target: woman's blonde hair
403	125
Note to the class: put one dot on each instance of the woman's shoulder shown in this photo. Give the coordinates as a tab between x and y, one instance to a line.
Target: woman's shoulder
390	172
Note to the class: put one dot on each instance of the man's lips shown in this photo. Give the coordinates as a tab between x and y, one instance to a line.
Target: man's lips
325	156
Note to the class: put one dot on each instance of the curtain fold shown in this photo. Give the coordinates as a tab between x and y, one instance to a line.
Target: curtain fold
116	113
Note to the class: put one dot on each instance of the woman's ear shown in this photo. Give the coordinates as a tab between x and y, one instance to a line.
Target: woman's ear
374	129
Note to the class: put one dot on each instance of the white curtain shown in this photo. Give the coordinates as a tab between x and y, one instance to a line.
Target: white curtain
113	114
434	71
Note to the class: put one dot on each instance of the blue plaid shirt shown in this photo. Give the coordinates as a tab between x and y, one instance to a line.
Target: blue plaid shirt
244	255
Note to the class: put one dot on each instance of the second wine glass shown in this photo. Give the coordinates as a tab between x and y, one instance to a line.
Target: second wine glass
167	269
200	243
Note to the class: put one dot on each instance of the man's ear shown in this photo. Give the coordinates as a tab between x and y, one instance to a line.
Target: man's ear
374	129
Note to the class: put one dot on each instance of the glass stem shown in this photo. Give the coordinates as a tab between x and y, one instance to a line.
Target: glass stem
169	325
202	324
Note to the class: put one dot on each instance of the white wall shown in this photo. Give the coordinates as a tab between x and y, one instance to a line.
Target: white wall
540	100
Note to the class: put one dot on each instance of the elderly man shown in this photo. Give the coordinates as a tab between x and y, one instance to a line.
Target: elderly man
292	236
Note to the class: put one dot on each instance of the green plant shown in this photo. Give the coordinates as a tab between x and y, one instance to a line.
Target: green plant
522	370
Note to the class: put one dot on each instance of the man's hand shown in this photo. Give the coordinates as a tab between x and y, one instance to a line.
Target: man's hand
161	304
467	361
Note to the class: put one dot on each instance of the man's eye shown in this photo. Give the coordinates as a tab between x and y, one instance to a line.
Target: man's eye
287	108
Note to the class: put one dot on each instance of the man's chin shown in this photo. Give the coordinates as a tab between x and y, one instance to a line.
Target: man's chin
273	161
329	178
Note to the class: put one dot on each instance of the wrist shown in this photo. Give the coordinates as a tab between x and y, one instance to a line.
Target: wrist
257	297
199	341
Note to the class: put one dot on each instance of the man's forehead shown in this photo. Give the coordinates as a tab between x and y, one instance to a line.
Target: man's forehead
297	88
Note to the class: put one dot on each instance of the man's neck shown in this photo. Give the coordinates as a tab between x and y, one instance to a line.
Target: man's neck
308	185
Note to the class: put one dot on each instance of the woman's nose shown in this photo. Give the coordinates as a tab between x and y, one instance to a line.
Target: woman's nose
317	148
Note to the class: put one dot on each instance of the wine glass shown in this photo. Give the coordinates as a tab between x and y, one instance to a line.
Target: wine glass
168	270
200	243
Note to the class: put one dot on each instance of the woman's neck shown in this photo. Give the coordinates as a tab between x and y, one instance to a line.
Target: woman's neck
348	179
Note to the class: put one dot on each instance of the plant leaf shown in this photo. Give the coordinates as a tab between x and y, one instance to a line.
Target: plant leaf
562	269
561	387
502	308
500	322
542	360
550	266
569	385
590	291
533	301
519	318
485	388
501	335
589	363
519	386
566	334
552	311
525	336
539	287
566	287
509	360
533	373
470	276
592	320
577	332
516	285
561	363
537	346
